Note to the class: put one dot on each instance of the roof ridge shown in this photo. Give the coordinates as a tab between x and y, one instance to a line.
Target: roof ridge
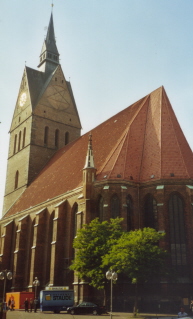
174	130
126	152
161	109
121	139
152	97
120	148
145	100
148	97
47	81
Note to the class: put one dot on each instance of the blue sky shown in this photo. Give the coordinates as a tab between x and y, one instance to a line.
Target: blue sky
114	52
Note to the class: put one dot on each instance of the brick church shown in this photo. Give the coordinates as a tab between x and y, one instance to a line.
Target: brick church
136	165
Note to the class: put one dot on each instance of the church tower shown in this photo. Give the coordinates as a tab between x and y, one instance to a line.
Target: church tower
44	120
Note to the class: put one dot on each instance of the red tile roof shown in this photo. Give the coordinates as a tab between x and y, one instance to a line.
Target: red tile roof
143	140
151	142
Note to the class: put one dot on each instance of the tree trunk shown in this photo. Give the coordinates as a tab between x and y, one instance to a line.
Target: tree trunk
135	308
104	297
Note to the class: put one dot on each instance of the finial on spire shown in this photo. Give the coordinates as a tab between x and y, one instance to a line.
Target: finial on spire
52	5
90	141
89	163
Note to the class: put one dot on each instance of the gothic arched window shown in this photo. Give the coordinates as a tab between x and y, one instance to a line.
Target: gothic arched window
19	142
24	134
129	203
66	138
16	179
74	219
49	221
57	138
177	232
115	206
46	131
15	144
100	209
150	212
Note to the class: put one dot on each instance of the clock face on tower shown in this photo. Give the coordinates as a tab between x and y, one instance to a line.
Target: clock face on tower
22	99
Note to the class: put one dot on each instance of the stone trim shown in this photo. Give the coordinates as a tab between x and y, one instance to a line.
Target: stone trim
23	217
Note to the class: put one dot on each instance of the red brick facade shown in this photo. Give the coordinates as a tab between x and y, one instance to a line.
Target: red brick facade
140	167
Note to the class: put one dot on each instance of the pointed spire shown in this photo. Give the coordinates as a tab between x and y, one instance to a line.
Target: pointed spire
89	163
50	38
49	57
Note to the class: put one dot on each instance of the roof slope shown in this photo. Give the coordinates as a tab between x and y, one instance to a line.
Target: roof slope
143	140
36	81
152	143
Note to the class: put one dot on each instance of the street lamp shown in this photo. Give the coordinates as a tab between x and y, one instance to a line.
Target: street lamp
4	275
35	284
111	275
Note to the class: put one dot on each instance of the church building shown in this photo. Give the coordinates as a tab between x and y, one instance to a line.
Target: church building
136	165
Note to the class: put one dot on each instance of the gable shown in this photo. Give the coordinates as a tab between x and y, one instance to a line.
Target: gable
57	100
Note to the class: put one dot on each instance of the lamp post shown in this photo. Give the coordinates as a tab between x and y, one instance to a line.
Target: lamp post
35	284
4	275
111	275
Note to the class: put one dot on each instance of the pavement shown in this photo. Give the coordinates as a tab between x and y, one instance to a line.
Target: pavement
20	314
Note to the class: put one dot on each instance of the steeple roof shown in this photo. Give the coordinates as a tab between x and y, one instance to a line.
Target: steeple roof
49	56
50	41
143	143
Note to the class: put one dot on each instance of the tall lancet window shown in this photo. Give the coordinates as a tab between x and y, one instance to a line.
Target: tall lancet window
100	208
57	138
74	219
19	142
177	232
115	206
16	179
66	138
150	212
24	134
129	203
15	144
46	132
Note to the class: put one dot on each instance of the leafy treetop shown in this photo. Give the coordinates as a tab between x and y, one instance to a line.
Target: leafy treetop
92	243
138	255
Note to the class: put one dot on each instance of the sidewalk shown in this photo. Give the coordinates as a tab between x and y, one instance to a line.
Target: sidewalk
20	314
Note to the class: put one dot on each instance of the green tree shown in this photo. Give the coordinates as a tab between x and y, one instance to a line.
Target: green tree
92	242
138	255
